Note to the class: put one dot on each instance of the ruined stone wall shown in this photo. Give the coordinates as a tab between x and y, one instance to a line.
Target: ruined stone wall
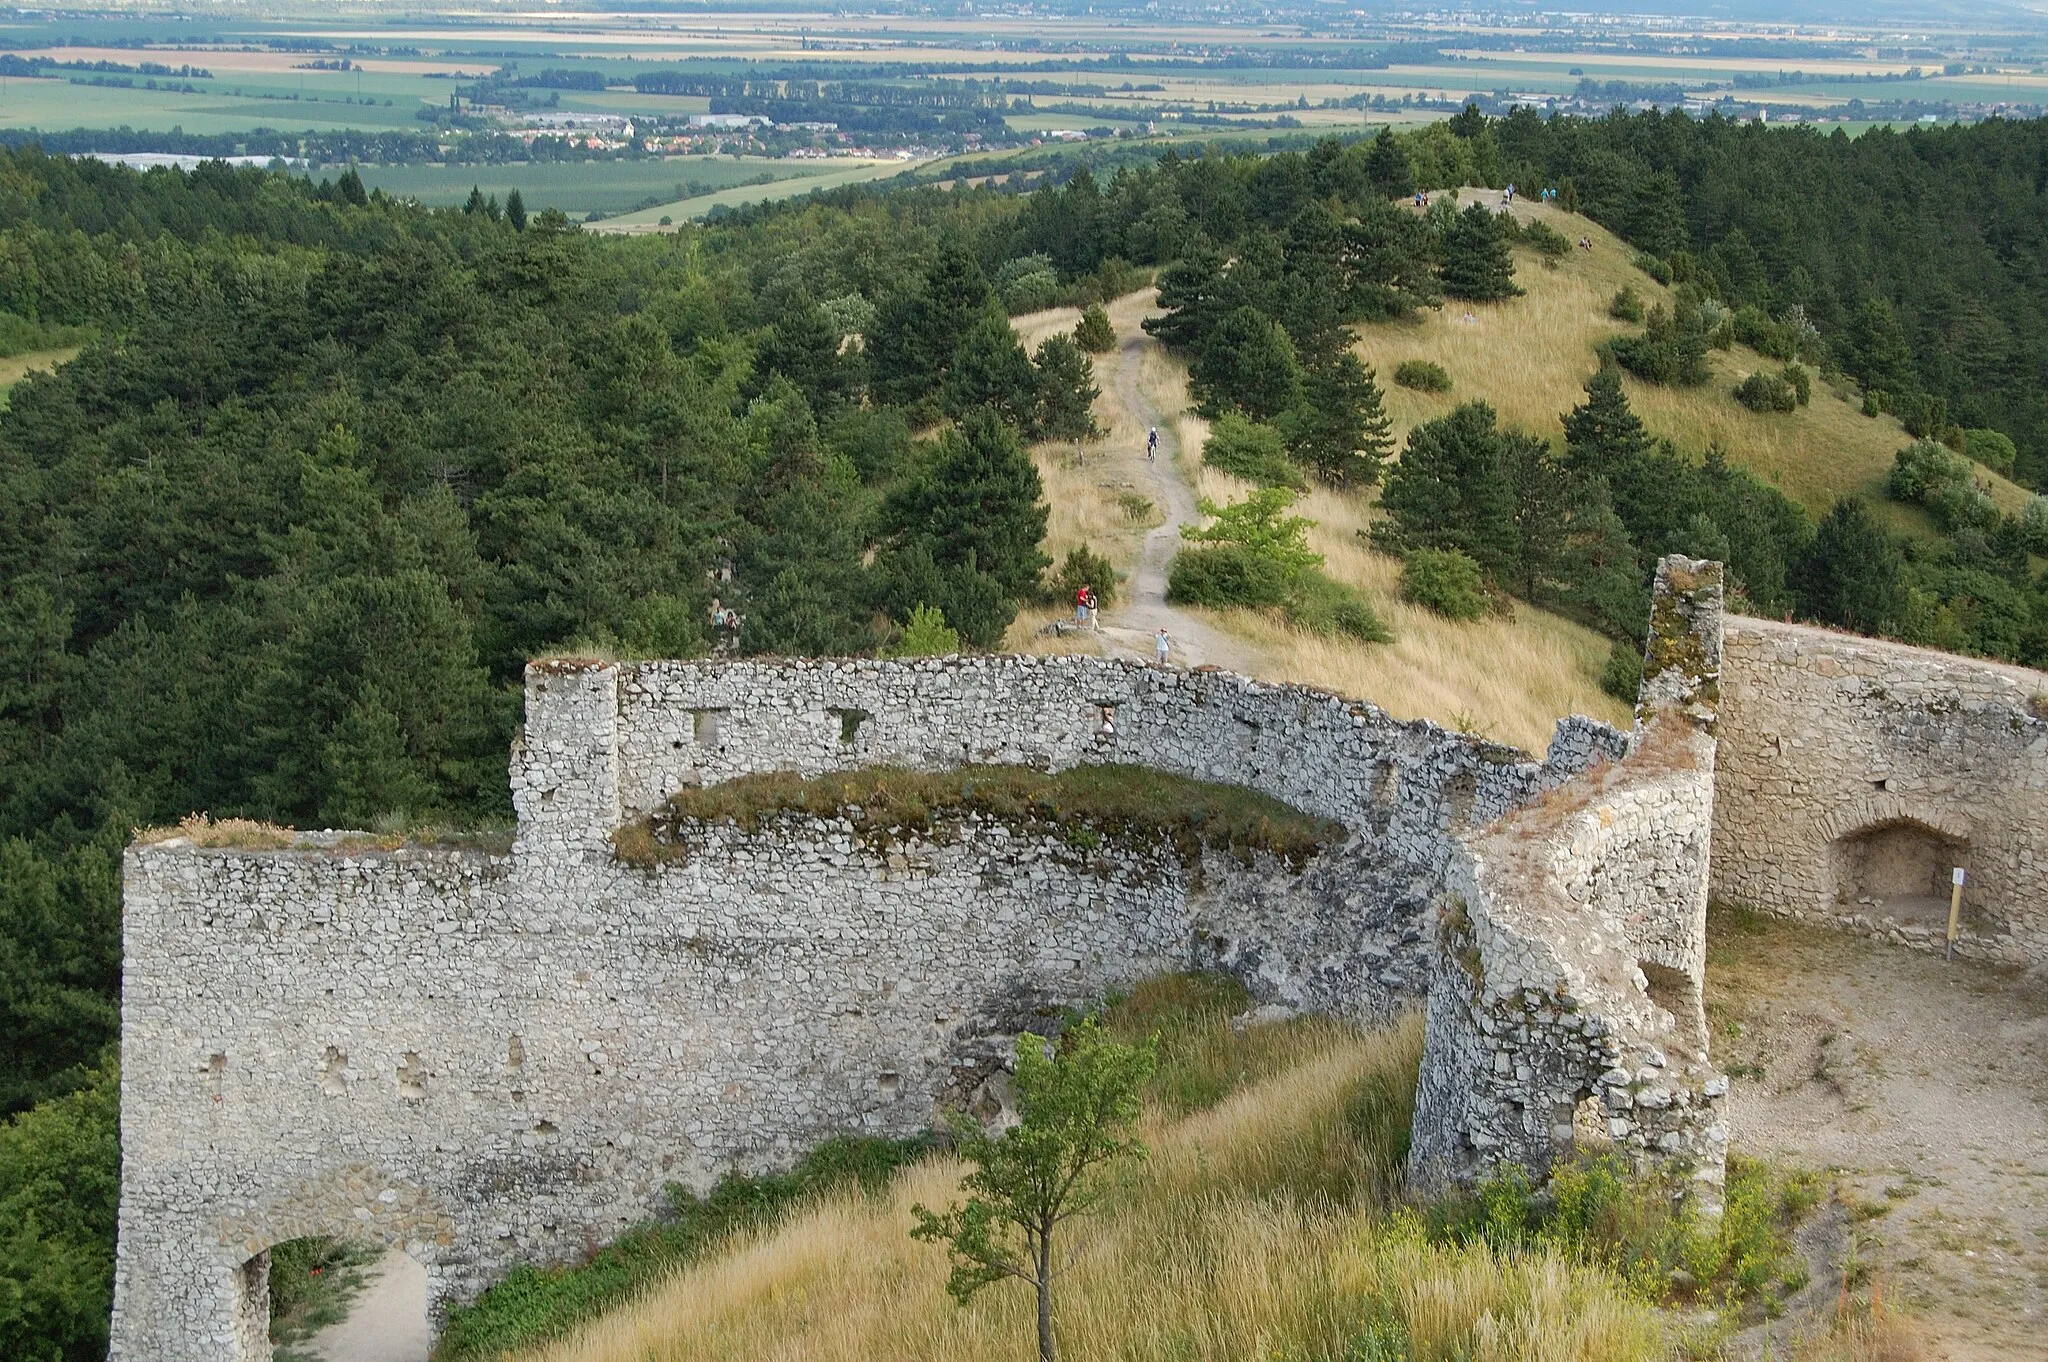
1842	754
1566	1010
500	1059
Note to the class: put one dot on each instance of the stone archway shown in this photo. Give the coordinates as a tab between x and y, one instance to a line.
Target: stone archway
1891	858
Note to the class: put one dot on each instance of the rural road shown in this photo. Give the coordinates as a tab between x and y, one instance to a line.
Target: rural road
1129	625
387	1321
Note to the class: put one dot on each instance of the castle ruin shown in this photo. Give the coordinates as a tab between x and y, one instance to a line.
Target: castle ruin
491	1059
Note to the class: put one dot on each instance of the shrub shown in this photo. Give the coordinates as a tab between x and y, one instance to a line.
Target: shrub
1672	348
1422	375
1331	609
1801	379
1224	576
1766	393
1546	240
1940	479
1756	330
1083	567
1093	332
1250	450
2034	527
1444	581
926	634
1649	264
1627	306
1027	284
1922	414
1994	449
1873	403
1622	677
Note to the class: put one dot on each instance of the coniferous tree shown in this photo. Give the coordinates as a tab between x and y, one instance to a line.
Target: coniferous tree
350	187
1339	428
990	371
475	206
1066	391
1093	333
1849	574
1387	167
515	211
1477	265
1450	491
978	503
1248	363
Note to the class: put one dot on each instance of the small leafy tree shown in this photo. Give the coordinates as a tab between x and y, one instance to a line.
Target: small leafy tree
926	634
1093	332
1077	1104
1258	526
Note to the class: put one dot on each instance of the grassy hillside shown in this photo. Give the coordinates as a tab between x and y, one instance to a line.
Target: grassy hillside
1529	356
1258	1229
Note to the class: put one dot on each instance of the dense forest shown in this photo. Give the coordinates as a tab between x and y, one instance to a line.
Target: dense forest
279	540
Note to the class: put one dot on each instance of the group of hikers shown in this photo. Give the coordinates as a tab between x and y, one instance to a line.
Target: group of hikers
1088	614
725	627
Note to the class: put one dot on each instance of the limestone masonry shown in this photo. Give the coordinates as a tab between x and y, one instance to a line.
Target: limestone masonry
496	1059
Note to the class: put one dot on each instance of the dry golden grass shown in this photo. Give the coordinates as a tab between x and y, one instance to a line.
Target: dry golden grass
1210	1252
1530	356
1509	677
244	833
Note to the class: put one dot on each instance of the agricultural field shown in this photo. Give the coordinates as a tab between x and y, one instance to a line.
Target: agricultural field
608	187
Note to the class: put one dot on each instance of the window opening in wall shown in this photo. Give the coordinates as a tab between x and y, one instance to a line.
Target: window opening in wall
1672	990
216	1070
515	1054
1899	869
705	726
334	1072
1386	788
311	1297
850	721
412	1077
889	1084
1589	1127
1461	791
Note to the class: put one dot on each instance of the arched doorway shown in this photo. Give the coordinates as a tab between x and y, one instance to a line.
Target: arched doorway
1899	868
328	1299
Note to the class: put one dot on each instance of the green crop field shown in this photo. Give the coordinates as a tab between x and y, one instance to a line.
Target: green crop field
580	187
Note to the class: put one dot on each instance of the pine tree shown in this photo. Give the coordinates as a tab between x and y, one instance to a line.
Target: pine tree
1849	574
1387	167
1249	363
1066	391
1093	332
350	187
977	503
475	206
990	371
515	211
1477	263
1450	491
1339	428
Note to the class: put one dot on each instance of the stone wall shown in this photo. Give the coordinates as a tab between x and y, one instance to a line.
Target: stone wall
1854	774
1565	1010
495	1059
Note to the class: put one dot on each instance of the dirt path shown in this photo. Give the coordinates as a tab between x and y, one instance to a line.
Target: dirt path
1129	626
387	1321
1925	1087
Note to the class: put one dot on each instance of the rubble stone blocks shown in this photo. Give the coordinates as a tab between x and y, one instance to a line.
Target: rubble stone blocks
1565	1008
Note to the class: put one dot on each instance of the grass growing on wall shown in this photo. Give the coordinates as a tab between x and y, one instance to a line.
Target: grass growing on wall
1083	804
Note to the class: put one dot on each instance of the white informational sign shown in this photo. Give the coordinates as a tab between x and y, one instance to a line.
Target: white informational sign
1955	876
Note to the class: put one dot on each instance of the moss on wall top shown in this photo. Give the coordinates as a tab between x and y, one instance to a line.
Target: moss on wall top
1082	804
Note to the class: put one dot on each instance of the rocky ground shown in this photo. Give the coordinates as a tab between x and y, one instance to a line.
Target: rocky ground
1924	1087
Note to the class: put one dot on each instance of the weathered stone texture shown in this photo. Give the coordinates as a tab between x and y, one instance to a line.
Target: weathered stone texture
500	1059
1571	951
1830	741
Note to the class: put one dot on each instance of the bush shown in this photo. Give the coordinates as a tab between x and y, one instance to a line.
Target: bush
1093	332
1422	375
1027	284
1622	677
1756	330
1225	576
1672	348
1652	266
1627	306
1994	449
926	634
1873	403
1546	240
1250	450
1922	414
1331	609
1444	581
1767	393
1940	479
1801	380
1083	567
